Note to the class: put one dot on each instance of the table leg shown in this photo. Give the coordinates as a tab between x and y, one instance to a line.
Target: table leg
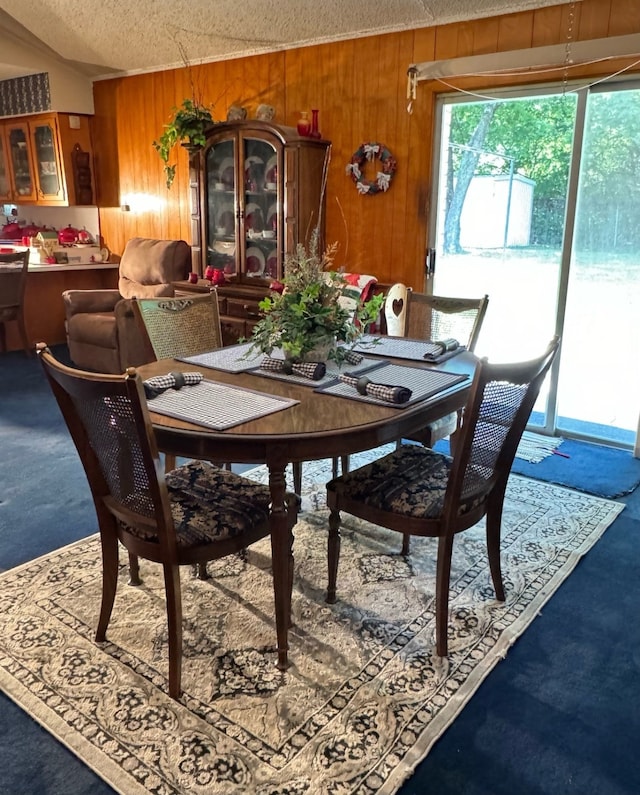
282	559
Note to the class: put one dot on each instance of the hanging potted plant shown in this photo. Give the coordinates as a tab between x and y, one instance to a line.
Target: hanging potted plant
188	126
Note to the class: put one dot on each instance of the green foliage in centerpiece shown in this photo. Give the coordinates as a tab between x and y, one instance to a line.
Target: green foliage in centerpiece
308	315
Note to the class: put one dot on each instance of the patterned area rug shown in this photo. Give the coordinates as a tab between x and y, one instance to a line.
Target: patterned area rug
365	697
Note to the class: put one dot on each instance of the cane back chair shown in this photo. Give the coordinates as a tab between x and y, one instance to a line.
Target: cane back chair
179	327
418	491
193	514
439	317
172	328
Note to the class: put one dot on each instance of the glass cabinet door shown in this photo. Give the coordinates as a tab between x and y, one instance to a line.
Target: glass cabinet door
5	180
220	207
24	184
47	165
261	208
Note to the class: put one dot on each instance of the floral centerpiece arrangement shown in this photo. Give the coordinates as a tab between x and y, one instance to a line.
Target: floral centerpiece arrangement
304	316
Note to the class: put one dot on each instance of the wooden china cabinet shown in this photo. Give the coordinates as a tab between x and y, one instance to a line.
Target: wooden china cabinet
256	192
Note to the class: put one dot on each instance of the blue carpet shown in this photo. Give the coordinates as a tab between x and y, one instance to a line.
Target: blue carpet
558	716
592	468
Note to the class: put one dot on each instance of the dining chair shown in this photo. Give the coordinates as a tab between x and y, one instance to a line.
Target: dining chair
172	328
176	327
13	284
395	309
179	327
440	317
419	491
193	514
432	317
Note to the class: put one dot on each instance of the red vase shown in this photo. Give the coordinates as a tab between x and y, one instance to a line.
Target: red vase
304	125
315	132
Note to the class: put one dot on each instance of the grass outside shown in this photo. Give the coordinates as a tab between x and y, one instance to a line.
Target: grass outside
599	378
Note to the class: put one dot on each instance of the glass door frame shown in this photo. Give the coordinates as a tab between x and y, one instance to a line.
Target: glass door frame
550	426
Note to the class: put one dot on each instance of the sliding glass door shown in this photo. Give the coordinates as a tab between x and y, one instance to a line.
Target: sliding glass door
599	375
536	203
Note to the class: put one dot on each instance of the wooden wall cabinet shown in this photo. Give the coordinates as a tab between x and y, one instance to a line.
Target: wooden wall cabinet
256	192
39	160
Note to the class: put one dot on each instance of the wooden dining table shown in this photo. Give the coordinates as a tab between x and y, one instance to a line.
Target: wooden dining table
317	426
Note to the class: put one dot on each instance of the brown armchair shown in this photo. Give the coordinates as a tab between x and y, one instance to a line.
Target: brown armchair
102	333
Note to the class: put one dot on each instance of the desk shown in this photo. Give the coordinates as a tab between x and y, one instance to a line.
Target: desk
319	426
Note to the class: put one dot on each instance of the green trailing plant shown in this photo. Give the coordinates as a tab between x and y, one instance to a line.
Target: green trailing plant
305	312
189	123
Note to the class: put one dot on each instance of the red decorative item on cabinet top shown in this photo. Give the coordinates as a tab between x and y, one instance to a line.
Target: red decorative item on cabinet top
315	131
304	125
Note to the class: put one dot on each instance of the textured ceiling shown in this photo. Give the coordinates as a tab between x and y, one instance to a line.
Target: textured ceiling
101	37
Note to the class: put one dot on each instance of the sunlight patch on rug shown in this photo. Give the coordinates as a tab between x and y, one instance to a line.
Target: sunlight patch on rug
365	697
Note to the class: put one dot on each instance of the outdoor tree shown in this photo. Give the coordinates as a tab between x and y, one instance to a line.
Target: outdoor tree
457	191
535	135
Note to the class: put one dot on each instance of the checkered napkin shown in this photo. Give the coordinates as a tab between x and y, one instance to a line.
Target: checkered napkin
444	346
160	383
388	392
351	357
313	370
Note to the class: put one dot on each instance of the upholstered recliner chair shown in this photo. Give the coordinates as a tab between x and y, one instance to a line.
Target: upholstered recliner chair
102	332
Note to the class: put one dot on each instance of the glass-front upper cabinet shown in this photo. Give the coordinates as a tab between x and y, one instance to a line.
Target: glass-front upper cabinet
257	191
50	185
221	213
242	207
6	193
263	253
21	164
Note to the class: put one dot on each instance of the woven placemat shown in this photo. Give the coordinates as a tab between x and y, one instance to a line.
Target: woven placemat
423	384
405	348
217	406
232	359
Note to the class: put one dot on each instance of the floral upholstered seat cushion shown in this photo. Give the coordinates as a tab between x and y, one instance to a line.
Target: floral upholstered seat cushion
210	504
410	481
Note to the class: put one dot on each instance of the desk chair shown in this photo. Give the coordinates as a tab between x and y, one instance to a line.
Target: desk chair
193	514
13	284
418	491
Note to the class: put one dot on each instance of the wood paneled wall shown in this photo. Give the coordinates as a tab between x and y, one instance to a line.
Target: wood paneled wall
359	87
